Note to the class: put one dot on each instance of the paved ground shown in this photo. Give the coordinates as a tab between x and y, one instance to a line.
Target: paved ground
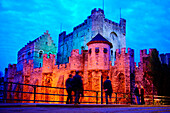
53	108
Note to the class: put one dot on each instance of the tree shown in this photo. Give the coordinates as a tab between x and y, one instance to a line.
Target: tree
160	74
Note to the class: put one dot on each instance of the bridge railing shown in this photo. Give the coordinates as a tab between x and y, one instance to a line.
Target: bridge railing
15	93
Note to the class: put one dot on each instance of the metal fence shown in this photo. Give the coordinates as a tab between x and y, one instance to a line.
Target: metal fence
8	95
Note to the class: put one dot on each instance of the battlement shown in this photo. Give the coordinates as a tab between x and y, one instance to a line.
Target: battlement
123	51
12	66
97	11
75	52
28	62
111	22
50	56
62	34
80	25
144	51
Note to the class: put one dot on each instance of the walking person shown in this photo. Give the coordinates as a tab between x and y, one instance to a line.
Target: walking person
142	91
77	87
69	89
137	94
108	89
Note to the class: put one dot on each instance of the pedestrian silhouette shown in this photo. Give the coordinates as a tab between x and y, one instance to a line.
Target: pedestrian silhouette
108	89
136	92
77	87
69	89
142	91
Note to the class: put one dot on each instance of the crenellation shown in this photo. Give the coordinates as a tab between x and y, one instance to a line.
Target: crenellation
123	50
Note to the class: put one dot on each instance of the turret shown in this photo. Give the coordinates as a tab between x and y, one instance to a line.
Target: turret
122	24
97	17
99	53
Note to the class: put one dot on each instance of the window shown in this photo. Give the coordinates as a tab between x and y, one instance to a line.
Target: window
29	54
22	56
90	51
105	50
97	49
40	54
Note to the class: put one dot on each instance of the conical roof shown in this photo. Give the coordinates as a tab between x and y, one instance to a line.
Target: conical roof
99	39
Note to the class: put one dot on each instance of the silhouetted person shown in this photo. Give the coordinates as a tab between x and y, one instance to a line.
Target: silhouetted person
137	94
142	91
108	89
77	86
69	89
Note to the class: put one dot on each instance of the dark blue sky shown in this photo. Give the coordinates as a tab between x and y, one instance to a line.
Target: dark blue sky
21	21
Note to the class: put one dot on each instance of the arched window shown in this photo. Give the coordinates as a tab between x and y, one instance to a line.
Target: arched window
40	54
113	35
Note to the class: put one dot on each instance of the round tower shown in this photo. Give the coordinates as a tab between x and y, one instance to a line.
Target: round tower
99	53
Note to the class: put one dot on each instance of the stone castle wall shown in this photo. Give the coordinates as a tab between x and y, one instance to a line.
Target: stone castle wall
83	33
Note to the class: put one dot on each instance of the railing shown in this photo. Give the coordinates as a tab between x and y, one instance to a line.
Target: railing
14	92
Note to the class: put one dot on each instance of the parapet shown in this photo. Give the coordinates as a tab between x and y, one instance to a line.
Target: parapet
80	25
111	22
75	52
50	56
12	65
152	49
95	10
62	34
123	51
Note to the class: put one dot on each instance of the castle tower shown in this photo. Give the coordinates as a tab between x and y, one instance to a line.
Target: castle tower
99	53
98	62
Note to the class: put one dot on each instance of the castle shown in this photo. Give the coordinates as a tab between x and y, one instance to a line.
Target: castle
97	48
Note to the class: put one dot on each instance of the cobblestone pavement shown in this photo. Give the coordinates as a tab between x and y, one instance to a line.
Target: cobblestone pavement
85	110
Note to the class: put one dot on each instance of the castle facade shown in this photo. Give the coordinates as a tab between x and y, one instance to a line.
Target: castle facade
91	48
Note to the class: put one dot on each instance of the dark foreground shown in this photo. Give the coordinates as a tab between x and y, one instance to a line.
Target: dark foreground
53	108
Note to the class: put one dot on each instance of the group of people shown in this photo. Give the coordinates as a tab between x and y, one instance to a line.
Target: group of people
74	84
139	96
